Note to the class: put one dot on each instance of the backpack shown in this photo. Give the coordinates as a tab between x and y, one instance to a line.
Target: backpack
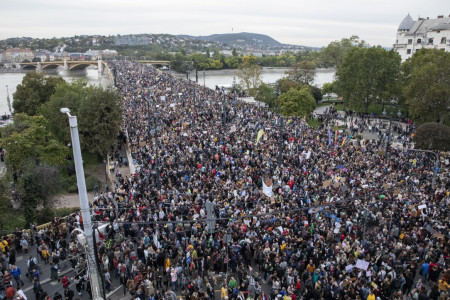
31	263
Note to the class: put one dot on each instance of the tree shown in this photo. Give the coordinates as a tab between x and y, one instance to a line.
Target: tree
368	74
297	102
234	52
316	92
29	139
334	54
328	88
5	199
250	77
35	90
427	83
100	118
303	72
37	188
432	136
285	84
66	95
266	94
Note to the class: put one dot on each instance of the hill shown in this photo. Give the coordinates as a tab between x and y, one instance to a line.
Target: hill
241	40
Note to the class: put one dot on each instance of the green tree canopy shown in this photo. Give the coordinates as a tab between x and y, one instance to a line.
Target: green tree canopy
266	94
38	187
297	102
98	113
35	90
66	95
285	84
432	136
99	118
427	83
250	77
303	72
328	87
29	139
368	74
334	54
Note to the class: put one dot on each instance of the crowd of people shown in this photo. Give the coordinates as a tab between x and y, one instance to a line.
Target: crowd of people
226	203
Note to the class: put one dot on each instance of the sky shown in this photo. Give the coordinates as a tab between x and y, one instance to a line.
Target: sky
310	23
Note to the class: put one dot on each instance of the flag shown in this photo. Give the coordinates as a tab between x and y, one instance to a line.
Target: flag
329	137
335	137
260	134
343	141
267	188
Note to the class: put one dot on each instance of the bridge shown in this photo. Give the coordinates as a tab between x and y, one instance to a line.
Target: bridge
73	65
67	65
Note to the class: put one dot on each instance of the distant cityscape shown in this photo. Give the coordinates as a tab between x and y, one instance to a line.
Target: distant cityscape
411	36
86	47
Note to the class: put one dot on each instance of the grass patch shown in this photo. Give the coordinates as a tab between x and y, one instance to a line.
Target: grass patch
314	123
14	219
69	183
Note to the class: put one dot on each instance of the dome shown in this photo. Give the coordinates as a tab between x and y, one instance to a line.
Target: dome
406	24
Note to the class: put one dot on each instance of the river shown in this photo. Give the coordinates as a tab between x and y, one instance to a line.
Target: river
13	79
269	75
208	78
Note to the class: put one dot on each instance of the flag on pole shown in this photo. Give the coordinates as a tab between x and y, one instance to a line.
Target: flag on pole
260	134
329	137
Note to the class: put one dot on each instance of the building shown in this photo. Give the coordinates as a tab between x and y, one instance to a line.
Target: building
423	33
18	54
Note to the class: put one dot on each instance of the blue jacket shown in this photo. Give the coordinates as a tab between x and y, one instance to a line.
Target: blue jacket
16	273
425	267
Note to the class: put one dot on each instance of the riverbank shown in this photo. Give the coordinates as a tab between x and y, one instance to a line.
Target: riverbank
7	70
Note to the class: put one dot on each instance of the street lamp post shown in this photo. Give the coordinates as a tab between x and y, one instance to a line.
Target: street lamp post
224	109
154	132
234	89
386	156
280	138
97	289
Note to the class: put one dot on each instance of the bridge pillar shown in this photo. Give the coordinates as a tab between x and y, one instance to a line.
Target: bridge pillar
39	68
100	68
66	65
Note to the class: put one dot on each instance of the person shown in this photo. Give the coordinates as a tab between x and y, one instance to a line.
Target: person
36	286
171	295
10	292
424	269
223	293
16	274
68	293
57	296
371	295
21	294
65	281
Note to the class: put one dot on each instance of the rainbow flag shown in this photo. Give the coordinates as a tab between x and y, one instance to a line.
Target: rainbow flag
343	141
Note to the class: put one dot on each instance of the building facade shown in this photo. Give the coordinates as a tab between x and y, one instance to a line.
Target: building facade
18	54
423	33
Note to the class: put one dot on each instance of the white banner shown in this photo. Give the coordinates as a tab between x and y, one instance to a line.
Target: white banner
267	190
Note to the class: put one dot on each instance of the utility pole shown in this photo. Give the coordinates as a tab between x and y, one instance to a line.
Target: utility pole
211	219
389	138
196	74
280	141
97	288
115	76
224	109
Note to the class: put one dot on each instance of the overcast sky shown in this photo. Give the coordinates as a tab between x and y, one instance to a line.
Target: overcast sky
310	23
